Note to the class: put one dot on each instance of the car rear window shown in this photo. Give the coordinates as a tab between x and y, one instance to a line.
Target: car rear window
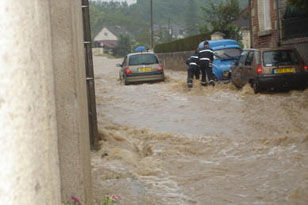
143	59
282	57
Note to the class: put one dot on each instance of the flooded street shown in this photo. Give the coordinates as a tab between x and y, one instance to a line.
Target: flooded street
164	144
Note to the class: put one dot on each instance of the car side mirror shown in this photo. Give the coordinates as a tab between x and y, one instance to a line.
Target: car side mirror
119	65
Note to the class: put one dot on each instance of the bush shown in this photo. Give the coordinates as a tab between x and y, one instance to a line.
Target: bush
185	44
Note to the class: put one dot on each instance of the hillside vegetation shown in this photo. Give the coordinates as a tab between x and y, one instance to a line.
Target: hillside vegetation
186	14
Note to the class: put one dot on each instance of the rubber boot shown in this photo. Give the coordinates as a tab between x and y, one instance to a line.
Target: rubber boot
212	83
189	82
203	83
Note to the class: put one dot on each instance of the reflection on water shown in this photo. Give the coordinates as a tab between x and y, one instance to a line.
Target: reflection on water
165	144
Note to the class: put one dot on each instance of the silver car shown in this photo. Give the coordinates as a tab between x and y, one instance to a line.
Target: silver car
141	67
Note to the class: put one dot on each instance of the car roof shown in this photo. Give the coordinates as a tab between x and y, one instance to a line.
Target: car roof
139	53
277	48
269	49
221	44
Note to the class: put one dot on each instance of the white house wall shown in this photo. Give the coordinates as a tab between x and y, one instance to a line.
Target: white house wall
105	34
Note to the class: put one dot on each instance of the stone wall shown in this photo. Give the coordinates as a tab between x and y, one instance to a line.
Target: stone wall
175	61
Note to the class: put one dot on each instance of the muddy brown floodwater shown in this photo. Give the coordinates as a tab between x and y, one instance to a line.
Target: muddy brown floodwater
164	144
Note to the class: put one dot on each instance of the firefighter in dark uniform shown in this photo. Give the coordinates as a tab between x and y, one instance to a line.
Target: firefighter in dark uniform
206	57
193	68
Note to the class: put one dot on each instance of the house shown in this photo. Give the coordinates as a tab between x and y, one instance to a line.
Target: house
106	40
217	36
244	25
275	24
174	31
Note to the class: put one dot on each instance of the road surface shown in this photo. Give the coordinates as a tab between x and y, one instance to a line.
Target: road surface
165	144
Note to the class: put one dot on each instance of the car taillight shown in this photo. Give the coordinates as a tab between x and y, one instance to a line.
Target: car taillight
259	69
127	70
160	68
305	67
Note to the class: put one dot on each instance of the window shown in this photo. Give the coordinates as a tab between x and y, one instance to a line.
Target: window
106	34
243	57
124	61
249	59
283	57
143	59
264	15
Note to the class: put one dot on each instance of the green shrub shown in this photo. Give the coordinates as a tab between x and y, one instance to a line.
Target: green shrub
185	44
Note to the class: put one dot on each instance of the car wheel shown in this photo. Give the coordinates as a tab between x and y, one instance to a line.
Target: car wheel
256	87
237	86
125	81
303	87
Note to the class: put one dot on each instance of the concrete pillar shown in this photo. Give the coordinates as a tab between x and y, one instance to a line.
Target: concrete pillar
71	99
29	166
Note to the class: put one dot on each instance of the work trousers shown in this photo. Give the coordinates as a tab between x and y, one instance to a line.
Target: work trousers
206	70
197	73
192	70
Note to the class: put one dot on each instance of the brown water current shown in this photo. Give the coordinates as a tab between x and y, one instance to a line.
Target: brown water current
165	144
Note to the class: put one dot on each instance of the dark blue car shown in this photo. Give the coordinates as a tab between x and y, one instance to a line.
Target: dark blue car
227	52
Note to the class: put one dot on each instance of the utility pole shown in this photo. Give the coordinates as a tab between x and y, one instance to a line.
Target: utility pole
278	23
151	22
251	24
90	76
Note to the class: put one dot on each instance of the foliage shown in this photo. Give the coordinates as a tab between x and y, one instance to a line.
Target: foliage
302	4
297	8
135	18
74	201
111	14
221	17
109	199
186	44
124	46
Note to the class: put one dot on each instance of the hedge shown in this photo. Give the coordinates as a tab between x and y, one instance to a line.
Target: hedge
185	44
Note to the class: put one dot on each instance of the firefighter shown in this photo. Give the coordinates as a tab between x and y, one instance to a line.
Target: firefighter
206	56
193	68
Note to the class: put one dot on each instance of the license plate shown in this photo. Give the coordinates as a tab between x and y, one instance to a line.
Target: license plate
145	69
284	70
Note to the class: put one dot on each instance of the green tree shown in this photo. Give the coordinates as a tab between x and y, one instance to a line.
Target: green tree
300	7
124	46
97	19
221	16
303	4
